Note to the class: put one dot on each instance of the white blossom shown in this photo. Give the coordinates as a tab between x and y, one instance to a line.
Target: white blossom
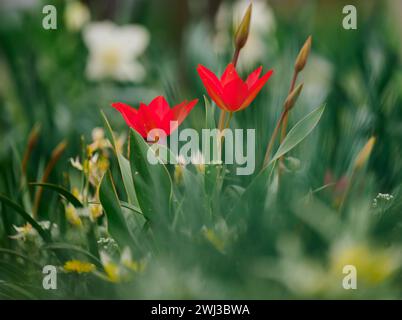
114	50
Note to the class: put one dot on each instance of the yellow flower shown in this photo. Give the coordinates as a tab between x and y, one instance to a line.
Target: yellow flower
373	265
99	141
76	163
76	193
23	232
117	272
112	270
103	164
95	211
78	266
128	262
179	169
72	216
95	168
213	238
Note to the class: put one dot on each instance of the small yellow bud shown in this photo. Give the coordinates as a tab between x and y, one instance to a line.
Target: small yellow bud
112	272
364	153
72	216
301	59
292	97
103	164
213	238
243	30
178	173
78	266
76	193
95	211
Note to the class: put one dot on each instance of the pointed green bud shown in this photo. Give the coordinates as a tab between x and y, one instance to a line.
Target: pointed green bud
292	97
301	59
243	29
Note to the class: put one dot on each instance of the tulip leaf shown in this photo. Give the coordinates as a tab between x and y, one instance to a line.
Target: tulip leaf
164	153
27	217
151	180
117	224
62	192
124	165
299	132
193	204
257	193
131	207
125	170
20	256
72	248
252	199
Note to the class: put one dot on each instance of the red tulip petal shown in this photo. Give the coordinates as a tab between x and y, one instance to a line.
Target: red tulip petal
159	106
131	117
165	122
256	89
229	75
149	118
213	86
234	94
181	111
253	77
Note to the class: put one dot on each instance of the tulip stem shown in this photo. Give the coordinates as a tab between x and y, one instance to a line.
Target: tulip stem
236	56
230	118
222	119
273	137
285	120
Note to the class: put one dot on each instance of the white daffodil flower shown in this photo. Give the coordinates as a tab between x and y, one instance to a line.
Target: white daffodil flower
114	50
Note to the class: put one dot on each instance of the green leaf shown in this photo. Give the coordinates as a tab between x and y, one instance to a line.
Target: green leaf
117	225
124	165
125	170
62	192
17	291
72	248
20	255
299	132
27	217
252	200
193	201
131	207
152	181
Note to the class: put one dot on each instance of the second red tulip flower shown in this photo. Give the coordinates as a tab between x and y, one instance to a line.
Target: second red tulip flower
230	92
156	115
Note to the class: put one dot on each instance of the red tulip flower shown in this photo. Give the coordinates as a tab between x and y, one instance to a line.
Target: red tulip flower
231	93
156	115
